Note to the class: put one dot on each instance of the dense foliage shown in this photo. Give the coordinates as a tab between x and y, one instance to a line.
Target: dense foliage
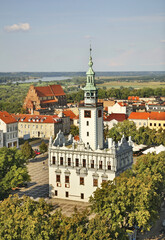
26	219
143	135
119	93
43	147
27	151
74	130
12	170
134	198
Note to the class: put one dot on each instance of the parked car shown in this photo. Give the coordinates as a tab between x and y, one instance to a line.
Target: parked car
37	152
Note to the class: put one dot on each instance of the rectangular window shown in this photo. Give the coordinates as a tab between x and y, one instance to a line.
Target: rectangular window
66	194
87	134
56	193
77	162
82	195
58	179
69	161
66	179
99	113
100	164
92	163
84	162
54	160
81	181
159	124
87	114
87	123
109	166
95	182
154	124
150	124
61	160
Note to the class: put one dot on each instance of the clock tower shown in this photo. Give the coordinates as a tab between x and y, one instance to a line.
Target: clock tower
91	113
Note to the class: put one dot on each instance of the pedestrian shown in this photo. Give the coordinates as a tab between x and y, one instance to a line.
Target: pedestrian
43	164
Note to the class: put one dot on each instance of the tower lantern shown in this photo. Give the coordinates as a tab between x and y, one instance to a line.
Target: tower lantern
91	113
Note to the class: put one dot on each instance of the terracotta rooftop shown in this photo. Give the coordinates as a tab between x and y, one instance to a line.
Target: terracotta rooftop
50	90
122	104
117	116
37	118
7	118
133	98
69	113
148	115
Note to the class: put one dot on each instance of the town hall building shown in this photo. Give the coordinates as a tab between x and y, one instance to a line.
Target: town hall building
77	168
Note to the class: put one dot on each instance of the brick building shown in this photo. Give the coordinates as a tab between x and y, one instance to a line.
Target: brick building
40	100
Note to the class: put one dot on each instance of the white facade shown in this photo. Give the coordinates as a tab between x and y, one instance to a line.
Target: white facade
91	126
76	169
116	108
10	134
111	123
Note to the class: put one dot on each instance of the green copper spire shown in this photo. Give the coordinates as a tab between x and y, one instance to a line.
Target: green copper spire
90	90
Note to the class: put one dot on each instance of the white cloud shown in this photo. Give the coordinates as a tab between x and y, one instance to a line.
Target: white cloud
18	27
162	41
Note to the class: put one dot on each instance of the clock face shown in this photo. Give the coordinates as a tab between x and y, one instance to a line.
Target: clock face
87	114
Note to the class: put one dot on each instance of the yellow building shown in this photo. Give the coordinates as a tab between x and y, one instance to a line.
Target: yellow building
154	120
38	126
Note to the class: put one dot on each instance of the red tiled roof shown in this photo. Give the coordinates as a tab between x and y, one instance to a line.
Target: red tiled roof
7	118
77	138
122	104
50	90
148	115
37	118
133	98
117	116
139	115
49	101
157	116
69	113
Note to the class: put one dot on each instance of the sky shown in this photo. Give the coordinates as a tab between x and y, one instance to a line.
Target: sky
55	35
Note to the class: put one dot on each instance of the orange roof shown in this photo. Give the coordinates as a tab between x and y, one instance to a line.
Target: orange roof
147	115
7	118
122	104
133	98
50	90
77	138
37	118
69	113
139	115
50	101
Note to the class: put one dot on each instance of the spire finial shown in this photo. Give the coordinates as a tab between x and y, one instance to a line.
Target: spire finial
90	49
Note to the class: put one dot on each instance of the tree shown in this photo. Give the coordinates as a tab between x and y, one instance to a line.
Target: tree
126	128
134	197
43	147
27	151
74	130
12	170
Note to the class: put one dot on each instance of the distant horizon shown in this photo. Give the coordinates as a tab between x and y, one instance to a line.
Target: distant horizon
45	35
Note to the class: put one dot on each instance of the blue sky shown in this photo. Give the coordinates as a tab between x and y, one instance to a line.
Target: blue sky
54	35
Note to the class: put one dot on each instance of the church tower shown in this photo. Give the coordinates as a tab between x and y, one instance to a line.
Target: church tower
91	113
